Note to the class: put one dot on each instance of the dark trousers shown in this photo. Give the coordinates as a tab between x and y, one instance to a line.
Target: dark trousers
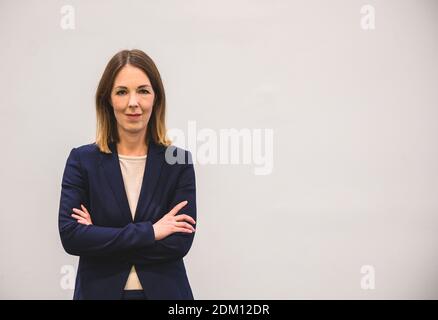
133	295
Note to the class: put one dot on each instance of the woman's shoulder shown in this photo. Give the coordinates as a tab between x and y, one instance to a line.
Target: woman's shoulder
84	152
87	148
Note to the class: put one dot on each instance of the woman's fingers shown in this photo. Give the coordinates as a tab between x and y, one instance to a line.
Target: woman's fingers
82	216
83	221
183	217
85	210
184	225
77	217
80	212
88	214
183	230
178	207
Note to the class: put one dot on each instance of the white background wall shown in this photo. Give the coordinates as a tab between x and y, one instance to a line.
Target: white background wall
354	114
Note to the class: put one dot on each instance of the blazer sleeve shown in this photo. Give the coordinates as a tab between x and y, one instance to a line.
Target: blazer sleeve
178	244
78	239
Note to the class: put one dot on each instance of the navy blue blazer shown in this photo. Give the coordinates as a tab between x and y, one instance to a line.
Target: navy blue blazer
115	241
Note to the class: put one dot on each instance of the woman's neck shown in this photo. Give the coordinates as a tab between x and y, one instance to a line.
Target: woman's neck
132	146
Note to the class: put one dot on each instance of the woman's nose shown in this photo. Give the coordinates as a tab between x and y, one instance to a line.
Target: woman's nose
133	101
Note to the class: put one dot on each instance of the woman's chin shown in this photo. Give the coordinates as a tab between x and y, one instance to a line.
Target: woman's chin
134	128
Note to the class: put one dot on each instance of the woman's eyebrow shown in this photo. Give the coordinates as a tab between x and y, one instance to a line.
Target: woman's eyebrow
142	86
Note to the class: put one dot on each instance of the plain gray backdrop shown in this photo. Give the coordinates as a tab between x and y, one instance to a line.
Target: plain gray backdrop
354	114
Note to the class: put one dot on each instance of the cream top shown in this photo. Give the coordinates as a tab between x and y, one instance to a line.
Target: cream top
132	168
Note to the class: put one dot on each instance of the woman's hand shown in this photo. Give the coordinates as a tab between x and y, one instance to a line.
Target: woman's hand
82	216
170	223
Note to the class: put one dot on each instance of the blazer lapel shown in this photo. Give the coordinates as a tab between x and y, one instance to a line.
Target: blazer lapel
154	164
113	174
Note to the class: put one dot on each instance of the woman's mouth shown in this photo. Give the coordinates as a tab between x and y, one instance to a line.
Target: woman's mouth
134	116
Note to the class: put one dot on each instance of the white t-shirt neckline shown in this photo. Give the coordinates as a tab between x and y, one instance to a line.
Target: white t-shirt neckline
121	156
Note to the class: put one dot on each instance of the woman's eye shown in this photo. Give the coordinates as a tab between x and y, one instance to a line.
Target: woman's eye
144	91
121	92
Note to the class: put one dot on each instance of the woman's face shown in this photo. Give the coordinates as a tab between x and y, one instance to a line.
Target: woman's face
131	94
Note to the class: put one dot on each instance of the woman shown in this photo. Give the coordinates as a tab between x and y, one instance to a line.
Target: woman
127	207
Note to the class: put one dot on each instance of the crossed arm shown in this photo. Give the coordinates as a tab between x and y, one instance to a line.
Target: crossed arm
168	239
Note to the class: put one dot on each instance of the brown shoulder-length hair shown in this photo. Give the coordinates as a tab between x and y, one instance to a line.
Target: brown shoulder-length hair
106	126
